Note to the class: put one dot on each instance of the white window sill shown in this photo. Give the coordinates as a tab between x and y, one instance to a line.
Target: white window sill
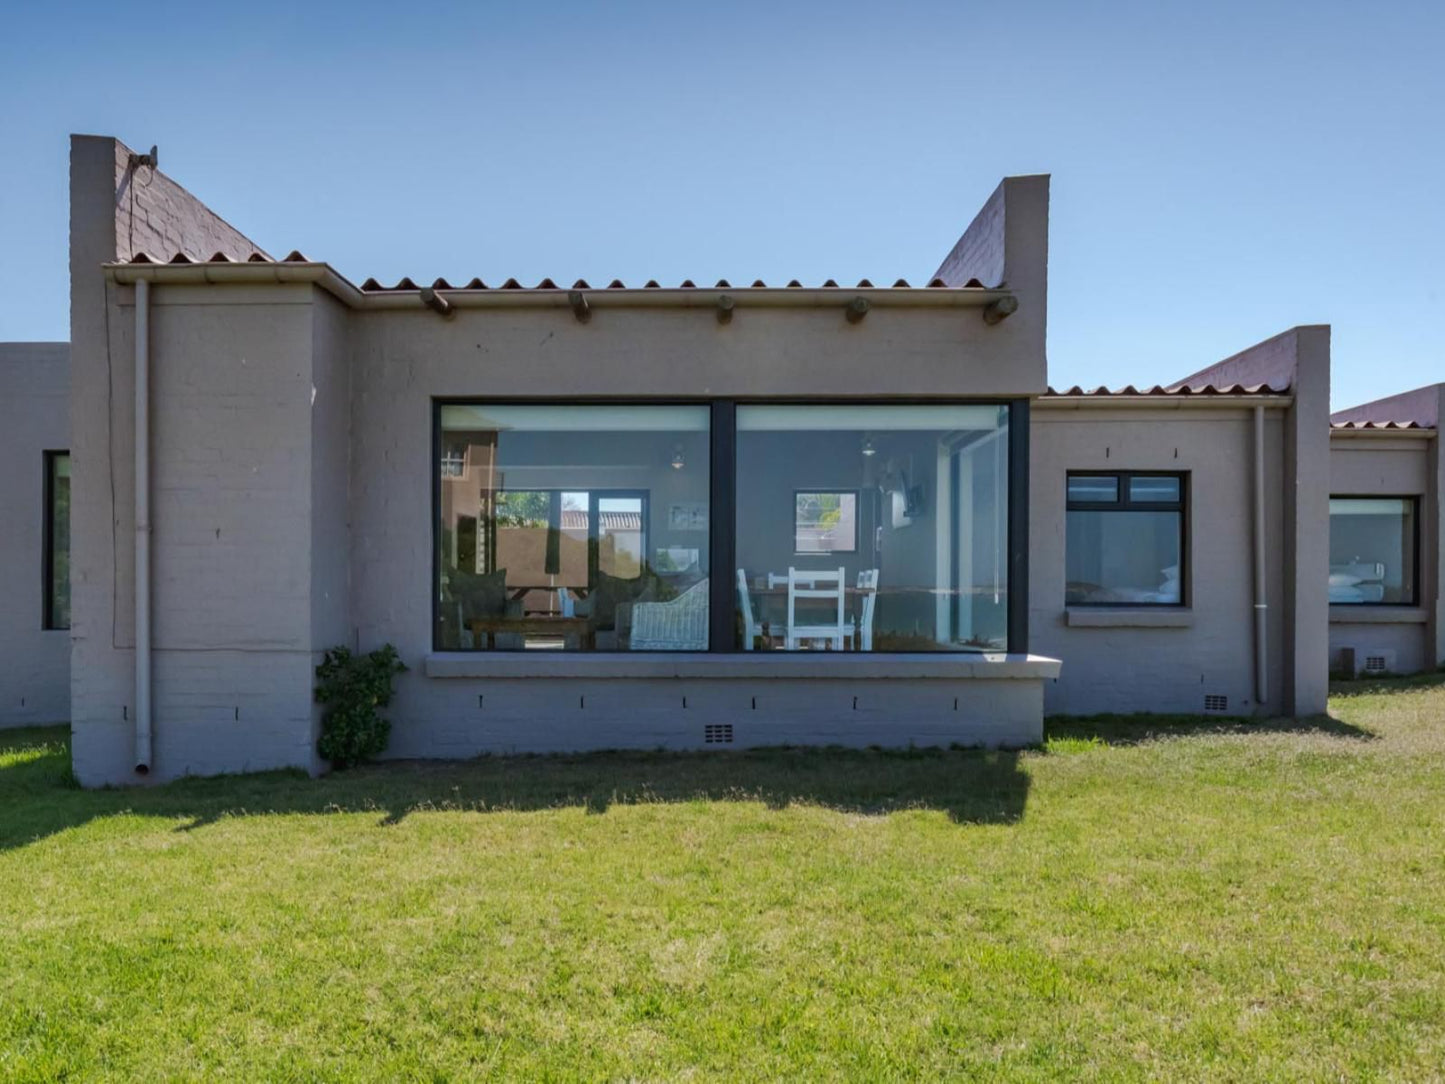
1153	617
841	666
1378	615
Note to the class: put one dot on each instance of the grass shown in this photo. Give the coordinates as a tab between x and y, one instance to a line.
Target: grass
1147	898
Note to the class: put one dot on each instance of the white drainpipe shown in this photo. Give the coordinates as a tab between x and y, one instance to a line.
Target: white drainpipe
142	528
1261	604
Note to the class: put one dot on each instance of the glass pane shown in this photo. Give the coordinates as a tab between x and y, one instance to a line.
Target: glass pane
1161	489
58	559
825	523
1372	551
872	528
573	528
1123	557
1088	488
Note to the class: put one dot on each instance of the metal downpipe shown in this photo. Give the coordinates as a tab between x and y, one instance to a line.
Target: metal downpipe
142	530
1261	604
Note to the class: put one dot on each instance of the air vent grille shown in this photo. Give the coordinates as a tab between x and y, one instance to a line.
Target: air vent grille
1215	702
1376	664
718	734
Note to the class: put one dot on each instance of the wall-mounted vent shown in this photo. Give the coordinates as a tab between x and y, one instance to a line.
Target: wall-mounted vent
1359	661
1215	702
718	734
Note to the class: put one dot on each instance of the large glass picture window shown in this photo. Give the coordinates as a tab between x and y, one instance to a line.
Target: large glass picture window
572	527
1372	551
1125	539
871	528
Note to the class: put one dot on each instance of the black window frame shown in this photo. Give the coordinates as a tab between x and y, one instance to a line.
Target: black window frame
1125	503
723	496
1415	543
857	496
48	621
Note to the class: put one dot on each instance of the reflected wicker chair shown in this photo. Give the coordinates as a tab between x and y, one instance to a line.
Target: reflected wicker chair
679	625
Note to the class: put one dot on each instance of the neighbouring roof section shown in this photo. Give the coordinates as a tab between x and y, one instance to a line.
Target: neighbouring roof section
371	285
1379	425
579	519
1418	409
1129	391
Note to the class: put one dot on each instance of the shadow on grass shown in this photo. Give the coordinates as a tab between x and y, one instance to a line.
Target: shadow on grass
1385	686
1143	727
38	797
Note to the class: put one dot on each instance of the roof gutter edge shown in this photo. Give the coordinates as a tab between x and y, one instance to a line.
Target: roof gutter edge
329	279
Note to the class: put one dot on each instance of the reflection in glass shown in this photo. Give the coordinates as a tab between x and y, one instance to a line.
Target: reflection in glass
872	527
559	528
1123	557
1088	488
1156	489
1372	551
825	523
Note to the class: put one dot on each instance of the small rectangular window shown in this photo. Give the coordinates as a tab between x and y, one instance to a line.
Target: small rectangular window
825	522
1125	540
1373	544
1153	489
57	540
1093	488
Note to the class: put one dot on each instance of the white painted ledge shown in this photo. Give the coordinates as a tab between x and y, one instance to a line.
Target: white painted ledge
1378	615
837	666
1123	618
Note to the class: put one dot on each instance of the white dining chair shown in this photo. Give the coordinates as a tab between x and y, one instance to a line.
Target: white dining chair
816	587
867	600
751	631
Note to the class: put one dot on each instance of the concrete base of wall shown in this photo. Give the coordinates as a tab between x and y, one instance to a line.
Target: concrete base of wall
462	706
1398	634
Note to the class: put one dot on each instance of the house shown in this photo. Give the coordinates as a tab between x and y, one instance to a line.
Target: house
1387	535
705	515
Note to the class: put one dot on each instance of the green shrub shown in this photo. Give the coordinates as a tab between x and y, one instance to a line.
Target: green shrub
353	687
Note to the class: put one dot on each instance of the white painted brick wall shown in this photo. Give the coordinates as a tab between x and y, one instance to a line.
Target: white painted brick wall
34	419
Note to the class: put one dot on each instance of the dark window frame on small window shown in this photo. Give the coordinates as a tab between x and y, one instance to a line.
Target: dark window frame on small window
1124	503
1416	539
830	491
49	621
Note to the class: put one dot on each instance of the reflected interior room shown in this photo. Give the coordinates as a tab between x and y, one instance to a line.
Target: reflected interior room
572	528
1372	551
872	527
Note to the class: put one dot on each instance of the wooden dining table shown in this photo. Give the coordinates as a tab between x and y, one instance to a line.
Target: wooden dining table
534	625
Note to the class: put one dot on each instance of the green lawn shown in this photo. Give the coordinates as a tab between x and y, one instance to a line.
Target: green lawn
1138	899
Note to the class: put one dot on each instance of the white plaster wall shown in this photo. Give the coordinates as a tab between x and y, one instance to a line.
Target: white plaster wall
1153	669
34	419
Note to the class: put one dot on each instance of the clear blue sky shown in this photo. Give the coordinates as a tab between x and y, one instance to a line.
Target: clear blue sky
1220	171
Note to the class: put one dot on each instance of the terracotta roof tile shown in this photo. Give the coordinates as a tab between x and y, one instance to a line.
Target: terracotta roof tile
1378	425
373	285
1129	390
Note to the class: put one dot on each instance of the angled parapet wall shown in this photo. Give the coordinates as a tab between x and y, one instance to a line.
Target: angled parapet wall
1403	429
1007	244
234	391
1298	359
